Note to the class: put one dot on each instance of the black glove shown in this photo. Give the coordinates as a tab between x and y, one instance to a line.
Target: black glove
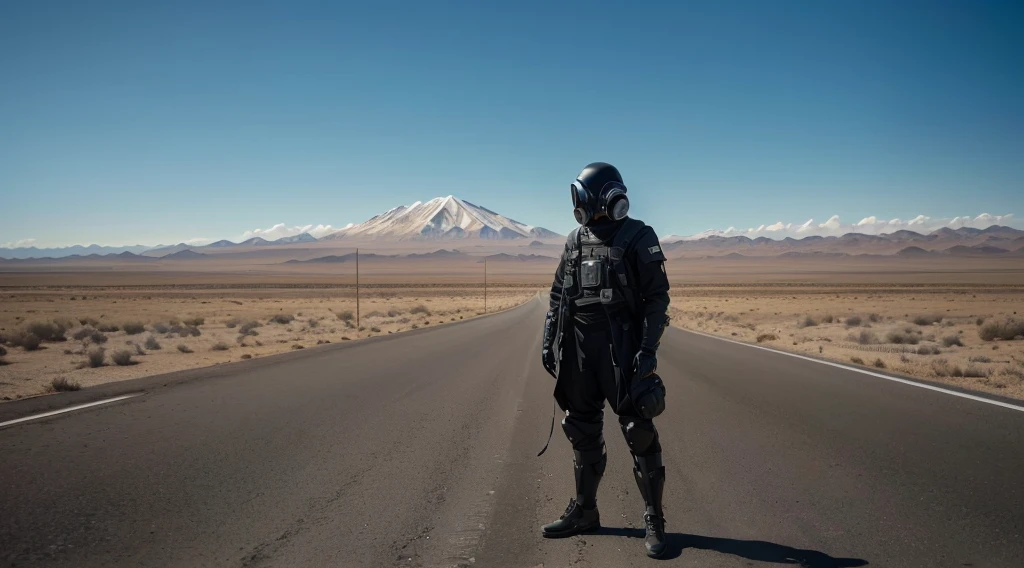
644	364
547	353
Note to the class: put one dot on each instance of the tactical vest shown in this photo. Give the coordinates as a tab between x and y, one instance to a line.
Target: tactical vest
596	273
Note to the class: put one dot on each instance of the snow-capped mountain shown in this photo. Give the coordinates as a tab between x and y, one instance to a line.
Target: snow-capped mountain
697	237
441	218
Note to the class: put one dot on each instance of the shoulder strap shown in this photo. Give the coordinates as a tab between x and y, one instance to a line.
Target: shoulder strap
620	249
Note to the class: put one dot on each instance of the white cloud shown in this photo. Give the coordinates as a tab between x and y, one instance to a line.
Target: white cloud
198	241
279	231
871	225
23	243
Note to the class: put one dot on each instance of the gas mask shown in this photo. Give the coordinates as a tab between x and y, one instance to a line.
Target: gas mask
610	201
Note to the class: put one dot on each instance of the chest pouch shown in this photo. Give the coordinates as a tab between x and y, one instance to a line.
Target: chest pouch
592	273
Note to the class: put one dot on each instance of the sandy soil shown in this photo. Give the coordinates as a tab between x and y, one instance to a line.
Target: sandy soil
928	332
318	316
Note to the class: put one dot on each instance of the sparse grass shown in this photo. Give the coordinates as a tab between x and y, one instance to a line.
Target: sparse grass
109	328
62	384
979	359
88	321
184	348
152	344
874	318
138	350
282	319
375	329
47	330
767	337
828	319
1005	329
394	313
312	323
232	323
975	372
161	327
247	356
902	338
951	340
808	321
95	357
183	331
927	319
943	368
122	358
420	309
194	322
857	360
297	347
879	363
853	321
346	316
220	346
133	328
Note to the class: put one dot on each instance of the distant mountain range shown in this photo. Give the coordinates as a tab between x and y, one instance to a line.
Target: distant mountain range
995	240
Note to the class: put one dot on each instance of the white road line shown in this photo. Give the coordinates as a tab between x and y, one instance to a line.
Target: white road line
865	372
68	409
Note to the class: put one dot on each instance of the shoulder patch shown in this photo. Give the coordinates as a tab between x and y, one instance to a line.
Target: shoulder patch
654	249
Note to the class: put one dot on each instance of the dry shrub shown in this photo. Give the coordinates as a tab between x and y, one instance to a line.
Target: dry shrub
902	338
184	348
808	321
95	357
346	316
979	359
853	321
828	319
152	344
375	329
282	319
951	340
122	358
89	321
47	330
183	331
857	360
28	342
246	356
312	323
928	350
420	309
220	346
1005	329
109	328
3	351
249	328
161	327
943	368
767	337
874	318
866	337
232	323
62	384
394	313
297	347
134	328
879	363
975	372
927	319
194	322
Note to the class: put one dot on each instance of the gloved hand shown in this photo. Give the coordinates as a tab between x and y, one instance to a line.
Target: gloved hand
644	364
547	358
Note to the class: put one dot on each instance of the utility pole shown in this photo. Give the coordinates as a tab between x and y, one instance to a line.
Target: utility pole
357	292
485	284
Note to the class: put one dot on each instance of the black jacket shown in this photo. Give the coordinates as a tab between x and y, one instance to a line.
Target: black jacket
644	261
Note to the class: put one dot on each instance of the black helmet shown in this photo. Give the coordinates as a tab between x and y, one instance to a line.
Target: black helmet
648	396
599	190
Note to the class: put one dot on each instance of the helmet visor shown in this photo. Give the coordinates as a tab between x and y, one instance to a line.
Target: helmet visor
579	195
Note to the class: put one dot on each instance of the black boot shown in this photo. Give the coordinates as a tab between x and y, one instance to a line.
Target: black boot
650	479
581	515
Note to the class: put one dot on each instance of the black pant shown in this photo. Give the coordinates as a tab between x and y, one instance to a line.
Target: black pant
592	381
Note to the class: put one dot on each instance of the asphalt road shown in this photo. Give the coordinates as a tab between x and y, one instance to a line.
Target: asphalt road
419	449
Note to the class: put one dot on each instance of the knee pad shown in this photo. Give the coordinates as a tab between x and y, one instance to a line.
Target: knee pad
641	435
585	437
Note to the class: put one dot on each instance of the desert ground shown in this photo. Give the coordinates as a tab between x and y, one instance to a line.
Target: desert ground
951	321
93	335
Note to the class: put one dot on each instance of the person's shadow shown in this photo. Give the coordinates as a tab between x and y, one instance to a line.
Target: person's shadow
757	550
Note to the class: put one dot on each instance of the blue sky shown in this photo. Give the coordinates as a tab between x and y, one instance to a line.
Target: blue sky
156	122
